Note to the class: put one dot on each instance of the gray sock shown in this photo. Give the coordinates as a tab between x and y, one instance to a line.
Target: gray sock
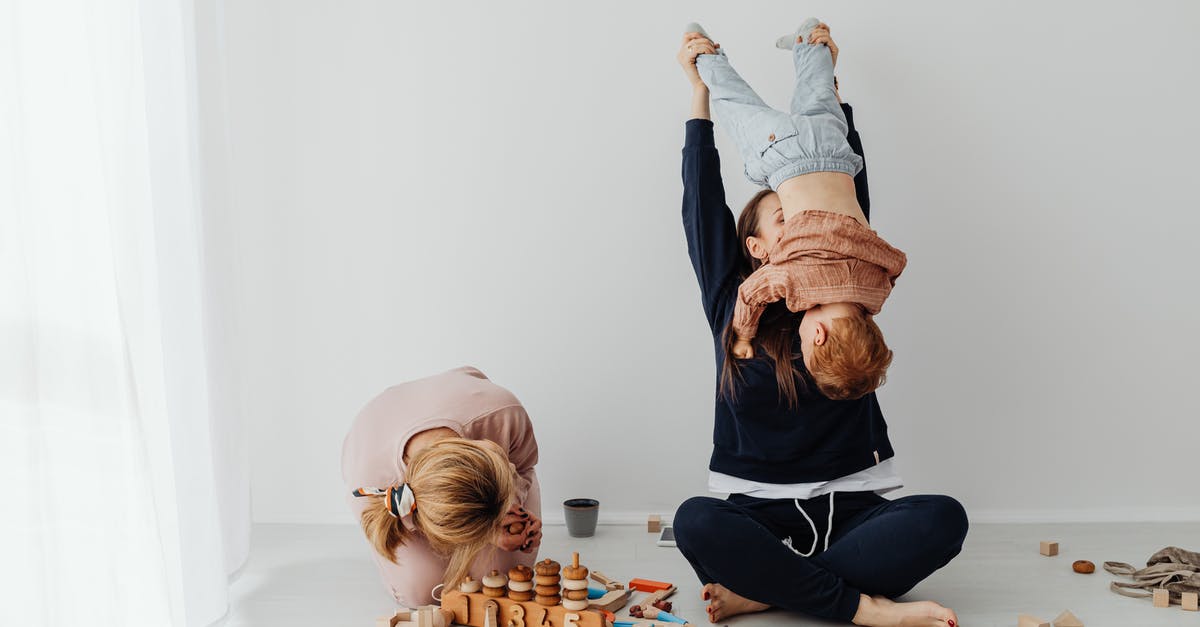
693	27
806	27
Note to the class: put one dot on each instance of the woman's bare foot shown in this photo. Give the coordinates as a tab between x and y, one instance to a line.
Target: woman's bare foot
883	612
722	603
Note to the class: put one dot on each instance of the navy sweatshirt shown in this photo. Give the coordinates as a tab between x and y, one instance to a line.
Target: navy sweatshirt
757	436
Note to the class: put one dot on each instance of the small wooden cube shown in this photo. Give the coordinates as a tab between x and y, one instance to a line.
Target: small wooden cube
1067	619
654	524
1049	549
1162	598
1025	620
1191	601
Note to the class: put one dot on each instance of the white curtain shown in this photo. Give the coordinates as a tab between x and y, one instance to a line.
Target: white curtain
122	465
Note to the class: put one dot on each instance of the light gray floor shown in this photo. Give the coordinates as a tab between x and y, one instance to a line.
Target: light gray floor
320	575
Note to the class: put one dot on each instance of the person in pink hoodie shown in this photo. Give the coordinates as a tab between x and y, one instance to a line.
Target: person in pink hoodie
440	474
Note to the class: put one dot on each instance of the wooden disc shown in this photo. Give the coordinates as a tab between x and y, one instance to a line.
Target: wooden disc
520	586
575	595
546	591
521	596
547	567
575	606
575	584
572	572
520	573
549	601
1083	566
494	592
547	580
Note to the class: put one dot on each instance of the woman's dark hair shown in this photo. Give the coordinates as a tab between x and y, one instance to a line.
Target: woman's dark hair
777	329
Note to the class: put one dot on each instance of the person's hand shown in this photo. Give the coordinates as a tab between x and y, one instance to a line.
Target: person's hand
519	531
743	349
533	535
513	526
694	45
820	35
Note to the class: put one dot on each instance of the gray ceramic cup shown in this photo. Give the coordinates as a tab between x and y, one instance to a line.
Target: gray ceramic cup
581	517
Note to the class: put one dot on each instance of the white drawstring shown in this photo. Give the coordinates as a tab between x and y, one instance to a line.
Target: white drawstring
814	530
433	593
829	529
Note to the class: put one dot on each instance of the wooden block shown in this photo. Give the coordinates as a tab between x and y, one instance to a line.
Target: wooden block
1162	598
1049	548
654	524
1067	619
1191	601
647	585
1025	620
614	601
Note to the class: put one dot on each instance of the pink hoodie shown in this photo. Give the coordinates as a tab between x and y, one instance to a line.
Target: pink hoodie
467	402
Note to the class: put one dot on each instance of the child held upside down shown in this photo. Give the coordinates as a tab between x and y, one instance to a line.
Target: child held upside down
827	260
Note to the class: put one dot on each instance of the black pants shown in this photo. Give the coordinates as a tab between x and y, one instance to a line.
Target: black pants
774	550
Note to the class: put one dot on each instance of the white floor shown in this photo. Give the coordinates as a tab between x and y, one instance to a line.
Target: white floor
320	575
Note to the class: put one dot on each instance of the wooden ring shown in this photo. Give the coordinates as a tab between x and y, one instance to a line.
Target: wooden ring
520	573
520	586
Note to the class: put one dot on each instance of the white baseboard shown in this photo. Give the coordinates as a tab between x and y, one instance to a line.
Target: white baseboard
1029	516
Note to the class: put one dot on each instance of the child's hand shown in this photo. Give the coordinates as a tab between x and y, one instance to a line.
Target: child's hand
694	45
820	35
743	349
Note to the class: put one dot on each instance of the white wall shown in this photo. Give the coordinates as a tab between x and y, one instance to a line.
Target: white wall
425	185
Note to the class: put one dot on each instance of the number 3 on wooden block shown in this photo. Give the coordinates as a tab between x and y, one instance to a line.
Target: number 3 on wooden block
518	616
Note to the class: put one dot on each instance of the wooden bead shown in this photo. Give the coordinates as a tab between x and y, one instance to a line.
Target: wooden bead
521	596
575	606
550	601
546	591
470	585
546	580
576	595
493	592
1083	567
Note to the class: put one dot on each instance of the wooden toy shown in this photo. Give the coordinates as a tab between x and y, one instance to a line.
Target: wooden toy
1067	619
613	601
1191	601
654	524
1084	567
1049	549
472	609
575	586
1025	620
537	597
1162	598
608	582
646	585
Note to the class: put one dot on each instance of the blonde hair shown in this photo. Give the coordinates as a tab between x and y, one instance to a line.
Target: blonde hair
853	361
462	490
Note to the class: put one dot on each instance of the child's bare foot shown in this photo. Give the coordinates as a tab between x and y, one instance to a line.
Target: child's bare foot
883	612
722	603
